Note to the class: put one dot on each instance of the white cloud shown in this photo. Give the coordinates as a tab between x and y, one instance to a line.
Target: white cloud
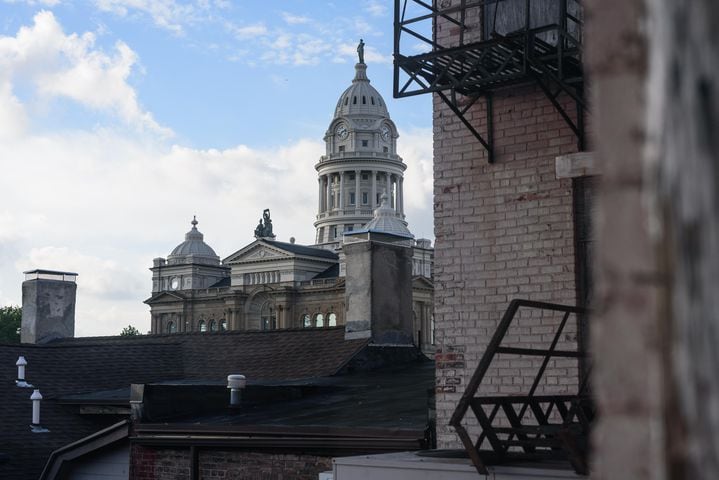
167	14
69	66
376	8
32	3
248	31
291	19
415	147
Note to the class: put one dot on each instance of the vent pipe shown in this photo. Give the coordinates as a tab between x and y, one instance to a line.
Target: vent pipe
21	364
236	383
36	397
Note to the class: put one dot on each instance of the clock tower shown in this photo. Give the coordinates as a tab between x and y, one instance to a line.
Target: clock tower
360	164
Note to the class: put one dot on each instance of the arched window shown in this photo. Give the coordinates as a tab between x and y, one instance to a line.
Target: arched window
332	320
347	100
171	327
306	321
268	316
213	326
319	320
202	326
354	100
223	325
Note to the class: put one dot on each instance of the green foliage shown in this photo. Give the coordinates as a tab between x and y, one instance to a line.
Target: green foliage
10	318
129	331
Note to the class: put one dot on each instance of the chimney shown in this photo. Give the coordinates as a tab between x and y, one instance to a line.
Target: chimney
378	288
21	364
48	306
36	398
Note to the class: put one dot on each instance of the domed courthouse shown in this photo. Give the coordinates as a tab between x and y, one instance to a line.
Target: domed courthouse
366	270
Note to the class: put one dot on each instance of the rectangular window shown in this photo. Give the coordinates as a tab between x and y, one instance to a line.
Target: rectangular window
365	176
365	143
342	148
352	176
364	198
385	149
350	228
352	198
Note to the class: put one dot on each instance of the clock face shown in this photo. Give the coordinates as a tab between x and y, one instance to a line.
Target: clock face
175	283
385	132
342	131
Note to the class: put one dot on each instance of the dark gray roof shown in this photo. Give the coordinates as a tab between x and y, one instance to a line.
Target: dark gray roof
391	397
303	250
221	283
72	369
331	272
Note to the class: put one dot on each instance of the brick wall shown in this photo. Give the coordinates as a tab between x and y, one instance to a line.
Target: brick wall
149	463
503	231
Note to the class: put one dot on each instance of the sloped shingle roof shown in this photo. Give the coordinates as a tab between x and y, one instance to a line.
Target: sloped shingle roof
84	365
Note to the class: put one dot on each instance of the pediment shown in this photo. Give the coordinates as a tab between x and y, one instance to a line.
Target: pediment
257	252
164	297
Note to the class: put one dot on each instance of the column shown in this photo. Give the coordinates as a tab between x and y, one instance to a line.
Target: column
319	195
373	200
342	190
400	196
327	194
358	174
389	188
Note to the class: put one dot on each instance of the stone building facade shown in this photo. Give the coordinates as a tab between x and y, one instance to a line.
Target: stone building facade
269	284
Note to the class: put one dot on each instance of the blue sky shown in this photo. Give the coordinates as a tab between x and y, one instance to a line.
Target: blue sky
120	119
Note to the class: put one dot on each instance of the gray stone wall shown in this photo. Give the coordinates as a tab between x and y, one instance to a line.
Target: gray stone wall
48	310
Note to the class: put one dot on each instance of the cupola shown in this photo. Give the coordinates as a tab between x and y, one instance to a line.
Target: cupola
193	249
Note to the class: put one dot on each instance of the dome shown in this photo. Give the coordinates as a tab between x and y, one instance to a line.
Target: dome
193	249
361	98
386	221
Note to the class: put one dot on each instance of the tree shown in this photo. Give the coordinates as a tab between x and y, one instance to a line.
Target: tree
129	331
10	318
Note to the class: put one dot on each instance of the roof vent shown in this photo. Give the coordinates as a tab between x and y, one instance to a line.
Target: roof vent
21	364
35	427
236	383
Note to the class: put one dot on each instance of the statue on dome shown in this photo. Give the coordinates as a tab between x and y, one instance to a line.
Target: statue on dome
360	51
264	228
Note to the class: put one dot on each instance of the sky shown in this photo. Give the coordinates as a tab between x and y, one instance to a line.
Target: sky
121	119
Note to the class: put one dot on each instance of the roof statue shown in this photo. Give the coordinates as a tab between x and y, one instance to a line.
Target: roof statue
360	51
264	228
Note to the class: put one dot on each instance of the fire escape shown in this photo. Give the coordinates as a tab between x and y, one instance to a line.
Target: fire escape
491	44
